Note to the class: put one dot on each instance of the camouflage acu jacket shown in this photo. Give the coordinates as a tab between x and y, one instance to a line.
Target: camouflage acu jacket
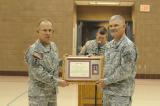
120	67
43	69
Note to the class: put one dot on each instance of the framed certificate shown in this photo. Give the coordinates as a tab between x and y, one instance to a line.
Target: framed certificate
83	68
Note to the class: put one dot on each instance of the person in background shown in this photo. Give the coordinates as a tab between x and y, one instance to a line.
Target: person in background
93	48
96	46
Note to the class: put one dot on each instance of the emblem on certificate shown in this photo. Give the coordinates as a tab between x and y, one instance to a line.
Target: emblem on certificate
83	68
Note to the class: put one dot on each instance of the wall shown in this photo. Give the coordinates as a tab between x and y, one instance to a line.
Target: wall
18	21
145	27
147	37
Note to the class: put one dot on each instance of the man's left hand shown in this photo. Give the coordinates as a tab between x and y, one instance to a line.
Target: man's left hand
101	83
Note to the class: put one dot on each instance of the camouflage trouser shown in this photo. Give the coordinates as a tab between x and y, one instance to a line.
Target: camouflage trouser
43	101
110	100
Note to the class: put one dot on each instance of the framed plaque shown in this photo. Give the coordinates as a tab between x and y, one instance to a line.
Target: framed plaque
83	68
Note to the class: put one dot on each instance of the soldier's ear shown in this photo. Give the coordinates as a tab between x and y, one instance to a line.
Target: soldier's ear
124	26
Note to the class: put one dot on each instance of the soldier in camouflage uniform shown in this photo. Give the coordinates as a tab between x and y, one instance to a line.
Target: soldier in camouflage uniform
97	46
42	59
119	75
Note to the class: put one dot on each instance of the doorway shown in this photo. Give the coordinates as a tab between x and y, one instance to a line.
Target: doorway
88	19
86	30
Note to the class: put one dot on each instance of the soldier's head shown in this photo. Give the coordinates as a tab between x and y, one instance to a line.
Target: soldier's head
101	35
117	26
45	31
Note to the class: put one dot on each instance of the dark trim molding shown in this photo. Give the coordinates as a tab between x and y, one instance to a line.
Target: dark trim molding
25	73
148	76
13	73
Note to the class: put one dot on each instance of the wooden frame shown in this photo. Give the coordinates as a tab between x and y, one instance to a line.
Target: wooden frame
83	68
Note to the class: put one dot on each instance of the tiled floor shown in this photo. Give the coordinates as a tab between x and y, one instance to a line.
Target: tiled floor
147	93
13	92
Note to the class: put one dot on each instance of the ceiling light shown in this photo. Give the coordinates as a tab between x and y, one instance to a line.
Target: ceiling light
103	3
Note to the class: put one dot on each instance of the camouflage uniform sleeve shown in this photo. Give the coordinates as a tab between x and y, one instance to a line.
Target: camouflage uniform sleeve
38	71
56	73
26	56
84	49
126	67
55	49
42	75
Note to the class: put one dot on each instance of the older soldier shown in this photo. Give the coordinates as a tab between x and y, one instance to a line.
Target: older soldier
43	62
119	76
97	46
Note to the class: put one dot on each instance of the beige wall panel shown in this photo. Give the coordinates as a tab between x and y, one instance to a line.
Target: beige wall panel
18	21
147	37
19	18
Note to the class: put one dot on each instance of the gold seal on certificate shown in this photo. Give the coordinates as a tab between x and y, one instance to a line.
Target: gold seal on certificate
83	68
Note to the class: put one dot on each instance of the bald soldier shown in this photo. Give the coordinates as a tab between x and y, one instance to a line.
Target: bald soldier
42	59
119	75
